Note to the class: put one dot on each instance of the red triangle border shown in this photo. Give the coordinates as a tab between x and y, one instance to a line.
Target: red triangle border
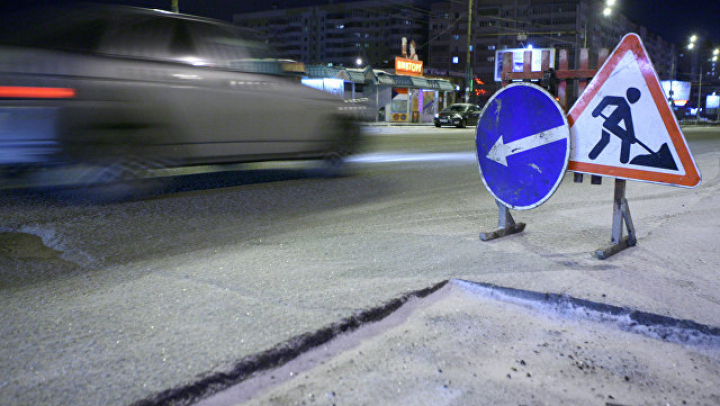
632	43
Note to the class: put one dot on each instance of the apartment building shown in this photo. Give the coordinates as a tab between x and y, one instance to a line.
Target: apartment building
512	24
343	34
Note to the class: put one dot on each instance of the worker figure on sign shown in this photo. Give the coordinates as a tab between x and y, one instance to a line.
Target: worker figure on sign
618	123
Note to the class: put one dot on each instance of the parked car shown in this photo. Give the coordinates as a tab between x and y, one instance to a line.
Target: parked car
459	115
120	89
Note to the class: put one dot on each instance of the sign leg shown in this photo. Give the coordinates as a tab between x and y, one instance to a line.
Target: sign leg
506	224
621	216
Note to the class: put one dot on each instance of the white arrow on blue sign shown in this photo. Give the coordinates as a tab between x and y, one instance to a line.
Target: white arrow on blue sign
523	144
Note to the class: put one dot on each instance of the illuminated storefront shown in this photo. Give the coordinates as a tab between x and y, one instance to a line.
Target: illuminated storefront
399	98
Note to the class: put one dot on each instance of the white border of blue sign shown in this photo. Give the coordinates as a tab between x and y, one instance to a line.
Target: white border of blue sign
567	151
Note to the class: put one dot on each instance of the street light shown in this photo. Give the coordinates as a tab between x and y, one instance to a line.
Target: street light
609	4
358	61
691	46
607	12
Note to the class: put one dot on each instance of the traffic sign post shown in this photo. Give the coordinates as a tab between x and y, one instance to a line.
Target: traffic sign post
522	144
506	224
621	216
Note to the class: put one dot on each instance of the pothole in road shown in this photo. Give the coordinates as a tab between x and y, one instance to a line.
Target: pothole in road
25	247
26	260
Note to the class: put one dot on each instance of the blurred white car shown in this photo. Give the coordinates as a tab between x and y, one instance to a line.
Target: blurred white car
123	88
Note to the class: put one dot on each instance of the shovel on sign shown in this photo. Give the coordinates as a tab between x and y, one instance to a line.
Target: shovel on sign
662	159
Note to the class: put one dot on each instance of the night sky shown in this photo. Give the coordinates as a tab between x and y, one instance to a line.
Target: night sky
675	20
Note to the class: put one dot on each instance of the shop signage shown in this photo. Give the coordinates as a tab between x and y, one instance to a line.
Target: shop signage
404	66
518	55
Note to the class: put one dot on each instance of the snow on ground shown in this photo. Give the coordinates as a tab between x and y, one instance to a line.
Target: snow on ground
461	346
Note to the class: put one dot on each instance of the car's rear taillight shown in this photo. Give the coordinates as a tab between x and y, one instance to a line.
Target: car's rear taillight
23	92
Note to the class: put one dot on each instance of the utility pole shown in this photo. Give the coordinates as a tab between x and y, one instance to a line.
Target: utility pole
468	65
174	7
699	91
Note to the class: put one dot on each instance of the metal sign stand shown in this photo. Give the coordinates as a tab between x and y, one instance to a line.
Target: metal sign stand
621	213
506	224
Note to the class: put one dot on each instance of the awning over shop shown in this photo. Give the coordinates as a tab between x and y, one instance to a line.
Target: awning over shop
385	79
269	66
322	71
379	77
403	81
421	83
445	85
356	76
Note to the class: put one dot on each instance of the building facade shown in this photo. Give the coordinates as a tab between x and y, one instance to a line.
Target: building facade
512	24
343	33
369	33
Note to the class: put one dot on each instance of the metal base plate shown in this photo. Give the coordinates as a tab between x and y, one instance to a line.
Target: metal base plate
502	232
610	250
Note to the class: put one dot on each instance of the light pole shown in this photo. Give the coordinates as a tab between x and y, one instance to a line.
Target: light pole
468	65
607	12
715	55
691	46
174	7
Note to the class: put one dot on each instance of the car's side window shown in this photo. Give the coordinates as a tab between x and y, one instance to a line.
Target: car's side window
226	47
216	44
181	44
139	37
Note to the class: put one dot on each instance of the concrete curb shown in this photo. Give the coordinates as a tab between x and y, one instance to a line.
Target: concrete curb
656	326
278	355
666	328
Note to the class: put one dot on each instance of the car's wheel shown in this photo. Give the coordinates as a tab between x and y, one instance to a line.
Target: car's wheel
115	179
461	124
345	142
115	162
437	125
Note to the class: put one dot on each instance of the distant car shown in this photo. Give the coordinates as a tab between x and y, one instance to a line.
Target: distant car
121	89
458	115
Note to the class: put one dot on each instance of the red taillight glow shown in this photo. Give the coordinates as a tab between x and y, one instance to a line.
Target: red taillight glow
21	92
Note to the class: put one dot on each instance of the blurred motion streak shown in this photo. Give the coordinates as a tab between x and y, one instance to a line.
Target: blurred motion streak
36	92
122	91
397	158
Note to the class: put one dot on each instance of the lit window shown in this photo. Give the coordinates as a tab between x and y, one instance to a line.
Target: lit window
456	59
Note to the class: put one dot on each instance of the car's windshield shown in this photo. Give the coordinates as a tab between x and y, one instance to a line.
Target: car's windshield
457	107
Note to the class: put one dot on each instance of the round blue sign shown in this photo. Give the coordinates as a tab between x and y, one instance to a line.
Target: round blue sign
523	144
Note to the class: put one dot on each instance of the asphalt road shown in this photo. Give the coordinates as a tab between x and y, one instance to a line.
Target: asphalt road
118	303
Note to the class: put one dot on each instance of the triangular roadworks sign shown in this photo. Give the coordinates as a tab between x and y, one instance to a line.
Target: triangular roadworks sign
622	125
